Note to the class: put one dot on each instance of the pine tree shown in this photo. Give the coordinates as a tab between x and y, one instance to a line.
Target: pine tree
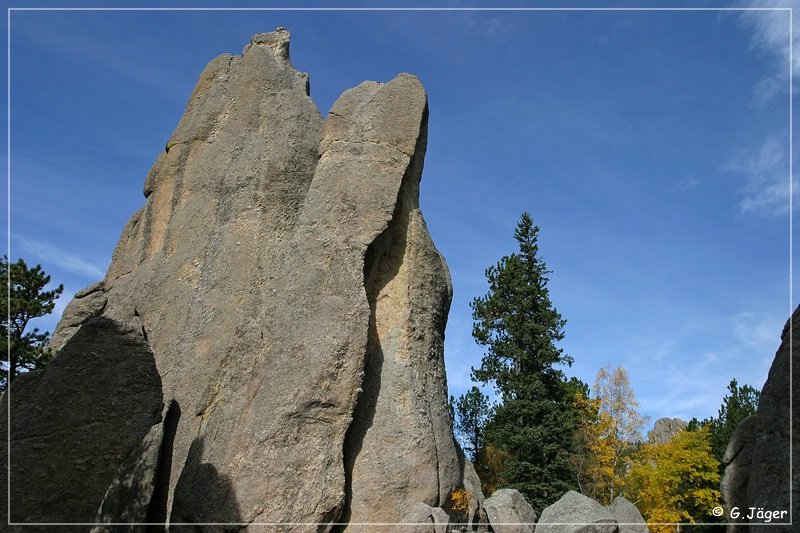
740	403
736	406
24	299
472	410
534	423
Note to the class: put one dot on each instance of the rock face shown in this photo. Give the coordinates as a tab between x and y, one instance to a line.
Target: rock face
576	513
267	343
509	512
628	516
664	429
757	458
476	514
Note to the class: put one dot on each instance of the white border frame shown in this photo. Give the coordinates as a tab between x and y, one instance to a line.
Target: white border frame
400	9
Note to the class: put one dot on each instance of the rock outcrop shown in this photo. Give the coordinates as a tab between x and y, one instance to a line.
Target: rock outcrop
509	512
664	429
758	456
267	343
576	513
476	514
628	517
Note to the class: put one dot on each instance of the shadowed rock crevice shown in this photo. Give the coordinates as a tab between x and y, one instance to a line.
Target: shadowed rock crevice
157	512
380	267
204	496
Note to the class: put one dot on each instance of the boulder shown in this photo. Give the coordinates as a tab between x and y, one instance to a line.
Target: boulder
576	513
421	518
757	472
628	516
664	429
267	344
509	512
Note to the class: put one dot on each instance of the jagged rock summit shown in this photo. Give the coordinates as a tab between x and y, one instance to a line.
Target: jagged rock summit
267	343
664	429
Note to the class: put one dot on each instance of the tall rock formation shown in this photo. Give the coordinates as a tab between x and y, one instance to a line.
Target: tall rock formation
266	346
758	460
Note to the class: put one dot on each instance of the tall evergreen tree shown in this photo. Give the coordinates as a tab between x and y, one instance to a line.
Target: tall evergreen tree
519	326
23	299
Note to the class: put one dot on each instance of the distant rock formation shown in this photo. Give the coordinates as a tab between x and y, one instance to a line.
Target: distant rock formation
664	429
757	460
267	343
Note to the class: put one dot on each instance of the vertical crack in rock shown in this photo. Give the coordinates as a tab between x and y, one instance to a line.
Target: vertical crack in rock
380	267
157	512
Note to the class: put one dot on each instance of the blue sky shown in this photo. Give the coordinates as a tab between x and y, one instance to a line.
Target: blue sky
652	149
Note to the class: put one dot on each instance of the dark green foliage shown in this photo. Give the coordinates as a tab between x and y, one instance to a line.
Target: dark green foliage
472	412
740	403
519	327
24	299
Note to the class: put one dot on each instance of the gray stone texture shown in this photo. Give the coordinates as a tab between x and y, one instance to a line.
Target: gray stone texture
664	429
420	518
476	515
509	512
576	513
282	308
757	458
628	517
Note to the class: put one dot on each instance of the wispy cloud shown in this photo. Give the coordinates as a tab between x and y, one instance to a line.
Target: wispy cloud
67	261
688	183
765	170
693	384
771	35
757	333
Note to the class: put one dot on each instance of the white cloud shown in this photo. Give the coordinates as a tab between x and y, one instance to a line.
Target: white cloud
67	261
759	334
771	35
766	178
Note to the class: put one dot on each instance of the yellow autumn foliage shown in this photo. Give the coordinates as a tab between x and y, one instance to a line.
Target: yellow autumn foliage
489	465
460	500
675	481
596	455
608	427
